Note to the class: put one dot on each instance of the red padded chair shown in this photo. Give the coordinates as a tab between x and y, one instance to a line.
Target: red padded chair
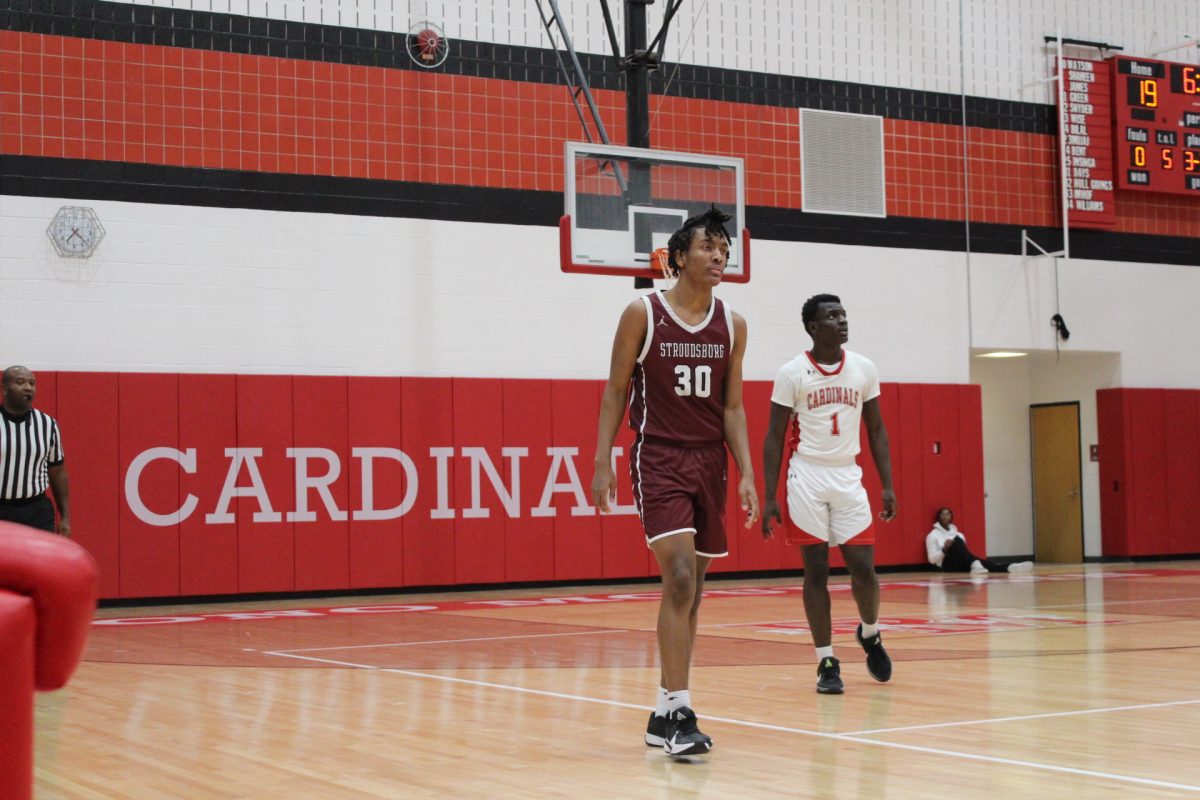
48	588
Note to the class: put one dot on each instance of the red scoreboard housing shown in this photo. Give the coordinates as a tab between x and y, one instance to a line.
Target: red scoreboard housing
1156	105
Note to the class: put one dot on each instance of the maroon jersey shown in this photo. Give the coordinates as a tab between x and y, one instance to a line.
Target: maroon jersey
678	389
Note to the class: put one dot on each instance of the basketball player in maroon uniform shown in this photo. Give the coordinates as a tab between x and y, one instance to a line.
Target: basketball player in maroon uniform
827	392
682	352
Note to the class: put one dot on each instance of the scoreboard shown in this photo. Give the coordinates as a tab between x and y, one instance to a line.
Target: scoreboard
1156	142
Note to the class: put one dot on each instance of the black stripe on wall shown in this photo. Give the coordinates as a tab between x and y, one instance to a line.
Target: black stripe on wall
205	30
146	183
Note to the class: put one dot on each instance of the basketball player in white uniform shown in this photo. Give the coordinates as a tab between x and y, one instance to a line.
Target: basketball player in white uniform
826	392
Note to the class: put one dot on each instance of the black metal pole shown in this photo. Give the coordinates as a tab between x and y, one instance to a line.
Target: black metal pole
637	74
637	102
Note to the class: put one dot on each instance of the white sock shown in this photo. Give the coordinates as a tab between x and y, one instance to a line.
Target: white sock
869	630
660	706
824	652
679	700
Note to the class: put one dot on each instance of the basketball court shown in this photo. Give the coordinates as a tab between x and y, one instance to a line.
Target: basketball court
1068	681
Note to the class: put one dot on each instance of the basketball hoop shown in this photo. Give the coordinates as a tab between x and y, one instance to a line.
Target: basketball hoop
621	205
660	262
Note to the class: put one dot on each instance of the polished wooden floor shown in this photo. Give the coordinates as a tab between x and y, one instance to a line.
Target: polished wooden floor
1069	682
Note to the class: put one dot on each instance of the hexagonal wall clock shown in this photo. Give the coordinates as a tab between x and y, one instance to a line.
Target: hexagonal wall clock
75	231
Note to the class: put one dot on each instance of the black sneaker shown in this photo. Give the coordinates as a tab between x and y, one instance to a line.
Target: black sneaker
682	737
879	663
656	731
829	676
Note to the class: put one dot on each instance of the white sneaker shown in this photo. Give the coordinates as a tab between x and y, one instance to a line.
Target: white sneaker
1021	566
977	568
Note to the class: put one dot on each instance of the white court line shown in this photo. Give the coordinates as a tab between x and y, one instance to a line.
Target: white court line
1024	717
450	641
764	726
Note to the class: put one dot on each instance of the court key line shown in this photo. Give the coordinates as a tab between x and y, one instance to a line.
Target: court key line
761	725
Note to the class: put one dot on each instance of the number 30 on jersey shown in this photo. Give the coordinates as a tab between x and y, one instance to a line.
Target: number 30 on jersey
691	381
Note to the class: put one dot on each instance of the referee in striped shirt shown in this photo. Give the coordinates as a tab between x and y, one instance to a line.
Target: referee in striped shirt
31	459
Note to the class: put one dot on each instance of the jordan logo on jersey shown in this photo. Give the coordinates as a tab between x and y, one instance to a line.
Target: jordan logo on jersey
842	395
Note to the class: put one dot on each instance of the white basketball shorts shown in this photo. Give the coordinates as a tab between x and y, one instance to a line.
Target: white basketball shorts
828	503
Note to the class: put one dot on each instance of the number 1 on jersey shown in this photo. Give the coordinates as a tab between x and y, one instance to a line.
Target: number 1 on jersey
835	431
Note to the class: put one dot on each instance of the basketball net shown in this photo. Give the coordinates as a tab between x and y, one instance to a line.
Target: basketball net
660	262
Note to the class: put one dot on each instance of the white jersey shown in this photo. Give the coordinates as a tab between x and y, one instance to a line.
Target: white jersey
826	403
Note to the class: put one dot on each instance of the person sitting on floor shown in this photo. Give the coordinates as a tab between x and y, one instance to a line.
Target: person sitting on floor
947	549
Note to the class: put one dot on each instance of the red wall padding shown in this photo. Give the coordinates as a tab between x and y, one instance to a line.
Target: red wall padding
267	545
148	416
1149	471
529	543
1182	463
755	554
903	402
428	422
970	508
320	421
579	541
88	415
171	536
376	545
1110	422
208	554
478	421
623	545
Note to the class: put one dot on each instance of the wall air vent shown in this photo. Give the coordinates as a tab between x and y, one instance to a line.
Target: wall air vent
841	158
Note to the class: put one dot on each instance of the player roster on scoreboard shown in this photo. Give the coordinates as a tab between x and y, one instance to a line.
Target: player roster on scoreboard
1087	159
1157	136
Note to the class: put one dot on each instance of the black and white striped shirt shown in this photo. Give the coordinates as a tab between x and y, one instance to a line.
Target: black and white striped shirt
29	446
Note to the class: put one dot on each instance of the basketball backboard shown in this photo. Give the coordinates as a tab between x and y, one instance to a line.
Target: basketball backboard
623	203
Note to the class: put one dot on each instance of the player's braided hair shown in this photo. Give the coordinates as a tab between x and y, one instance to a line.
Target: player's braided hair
809	312
713	221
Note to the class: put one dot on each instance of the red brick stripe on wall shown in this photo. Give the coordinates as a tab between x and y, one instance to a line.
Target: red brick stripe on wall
62	97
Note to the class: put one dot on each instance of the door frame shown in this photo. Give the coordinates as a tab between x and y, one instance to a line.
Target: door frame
1078	468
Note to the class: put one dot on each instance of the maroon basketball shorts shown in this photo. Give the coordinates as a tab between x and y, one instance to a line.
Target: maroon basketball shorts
681	489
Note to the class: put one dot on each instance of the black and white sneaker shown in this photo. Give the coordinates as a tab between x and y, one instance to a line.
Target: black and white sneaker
879	663
682	737
656	731
829	676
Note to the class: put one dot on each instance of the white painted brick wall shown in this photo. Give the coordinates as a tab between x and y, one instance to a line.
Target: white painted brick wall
202	289
1145	312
